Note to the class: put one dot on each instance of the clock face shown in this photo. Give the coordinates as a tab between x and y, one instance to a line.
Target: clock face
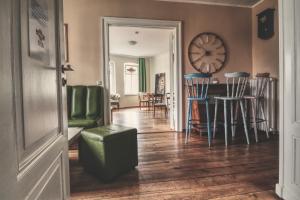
207	53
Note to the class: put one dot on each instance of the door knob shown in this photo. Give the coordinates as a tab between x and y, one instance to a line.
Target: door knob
66	67
64	81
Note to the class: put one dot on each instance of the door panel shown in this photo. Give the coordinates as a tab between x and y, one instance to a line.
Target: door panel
297	58
290	140
50	185
33	139
296	161
39	76
40	102
39	86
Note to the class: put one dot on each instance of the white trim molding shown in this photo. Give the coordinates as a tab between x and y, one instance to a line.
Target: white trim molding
146	23
208	2
279	185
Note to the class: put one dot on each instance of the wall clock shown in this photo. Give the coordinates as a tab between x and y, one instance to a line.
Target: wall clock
207	53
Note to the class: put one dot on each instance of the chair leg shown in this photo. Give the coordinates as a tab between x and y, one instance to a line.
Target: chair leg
264	118
208	123
190	117
236	116
166	112
215	118
225	123
244	121
232	119
187	123
253	107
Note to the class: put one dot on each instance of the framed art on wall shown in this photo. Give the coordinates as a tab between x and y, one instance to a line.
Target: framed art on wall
265	21
160	83
38	20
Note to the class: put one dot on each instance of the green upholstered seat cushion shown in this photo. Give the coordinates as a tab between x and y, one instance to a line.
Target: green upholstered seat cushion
78	108
86	123
93	102
109	132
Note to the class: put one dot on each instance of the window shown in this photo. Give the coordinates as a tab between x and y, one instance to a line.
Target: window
131	79
112	77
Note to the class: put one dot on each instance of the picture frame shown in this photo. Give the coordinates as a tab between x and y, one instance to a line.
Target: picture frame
265	23
38	27
160	83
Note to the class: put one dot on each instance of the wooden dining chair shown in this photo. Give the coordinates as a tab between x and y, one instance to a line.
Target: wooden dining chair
256	102
236	85
143	100
197	87
159	102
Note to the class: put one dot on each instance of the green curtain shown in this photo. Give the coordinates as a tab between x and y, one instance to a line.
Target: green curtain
142	75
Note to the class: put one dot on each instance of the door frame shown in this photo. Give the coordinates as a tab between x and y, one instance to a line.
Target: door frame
281	190
145	23
279	185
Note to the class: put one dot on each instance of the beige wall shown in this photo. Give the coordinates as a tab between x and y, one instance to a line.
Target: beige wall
265	52
160	64
83	16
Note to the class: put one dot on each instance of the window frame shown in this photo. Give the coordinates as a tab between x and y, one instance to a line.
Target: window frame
124	75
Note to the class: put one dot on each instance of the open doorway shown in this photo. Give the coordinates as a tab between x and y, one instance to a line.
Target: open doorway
142	61
140	83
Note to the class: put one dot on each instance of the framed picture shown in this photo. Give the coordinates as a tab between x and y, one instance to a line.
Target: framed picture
38	20
265	21
160	83
66	39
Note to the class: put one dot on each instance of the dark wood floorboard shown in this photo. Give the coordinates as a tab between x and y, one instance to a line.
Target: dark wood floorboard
170	169
142	119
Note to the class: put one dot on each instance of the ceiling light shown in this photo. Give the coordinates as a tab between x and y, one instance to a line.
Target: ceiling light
132	42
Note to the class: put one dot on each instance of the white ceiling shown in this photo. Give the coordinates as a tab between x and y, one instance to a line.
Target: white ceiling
237	3
150	41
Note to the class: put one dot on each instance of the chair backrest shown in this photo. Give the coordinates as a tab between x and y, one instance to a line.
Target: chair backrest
236	83
85	102
197	85
159	98
261	83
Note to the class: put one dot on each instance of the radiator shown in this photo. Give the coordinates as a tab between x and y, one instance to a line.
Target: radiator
271	105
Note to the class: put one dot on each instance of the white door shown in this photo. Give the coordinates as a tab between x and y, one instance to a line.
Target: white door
172	75
289	183
33	143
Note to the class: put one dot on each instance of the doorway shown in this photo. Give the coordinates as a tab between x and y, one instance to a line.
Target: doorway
121	53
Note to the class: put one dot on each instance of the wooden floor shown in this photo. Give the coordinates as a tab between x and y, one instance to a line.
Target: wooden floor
142	119
169	169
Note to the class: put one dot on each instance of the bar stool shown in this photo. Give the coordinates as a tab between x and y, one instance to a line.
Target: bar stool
197	87
256	102
234	95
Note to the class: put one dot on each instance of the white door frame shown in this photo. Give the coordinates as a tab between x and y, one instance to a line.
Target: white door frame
146	23
287	58
279	185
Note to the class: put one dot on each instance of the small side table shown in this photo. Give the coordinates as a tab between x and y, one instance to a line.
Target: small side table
73	134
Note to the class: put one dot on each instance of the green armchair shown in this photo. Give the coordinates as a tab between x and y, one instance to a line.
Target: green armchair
85	106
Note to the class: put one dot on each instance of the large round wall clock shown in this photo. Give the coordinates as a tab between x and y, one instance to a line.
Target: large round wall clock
207	53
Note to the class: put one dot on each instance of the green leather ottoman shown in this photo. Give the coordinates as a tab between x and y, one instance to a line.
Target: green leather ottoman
108	151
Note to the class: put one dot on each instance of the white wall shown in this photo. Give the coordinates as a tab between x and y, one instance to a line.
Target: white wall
160	64
156	64
126	100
